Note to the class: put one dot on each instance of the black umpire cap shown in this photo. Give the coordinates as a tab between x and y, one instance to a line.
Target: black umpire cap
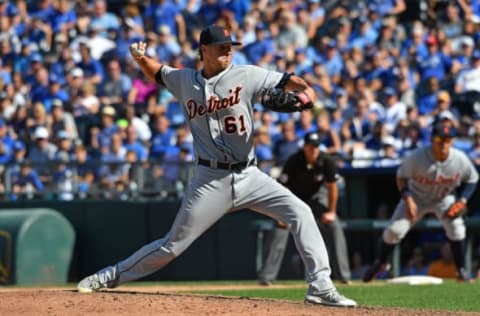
214	34
312	138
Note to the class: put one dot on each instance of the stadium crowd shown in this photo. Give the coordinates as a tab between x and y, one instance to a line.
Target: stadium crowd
77	116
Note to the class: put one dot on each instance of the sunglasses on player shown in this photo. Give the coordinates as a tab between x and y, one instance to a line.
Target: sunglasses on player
438	139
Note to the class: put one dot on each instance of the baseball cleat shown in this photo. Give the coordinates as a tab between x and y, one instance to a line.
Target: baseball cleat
329	298
374	270
89	284
102	279
462	277
264	282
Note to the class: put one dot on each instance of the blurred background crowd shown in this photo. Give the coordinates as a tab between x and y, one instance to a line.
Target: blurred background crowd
78	118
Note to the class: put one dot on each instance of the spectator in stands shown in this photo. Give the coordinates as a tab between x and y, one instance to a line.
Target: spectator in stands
143	130
62	120
267	119
305	124
85	108
25	182
5	138
261	51
39	88
329	138
435	63
92	68
290	35
287	145
41	153
108	126
114	171
92	142
115	89
444	105
451	22
63	18
387	155
412	140
55	91
443	267
19	152
132	18
163	137
102	19
394	109
416	263
167	46
6	154
428	100
62	177
162	12
75	82
474	151
18	123
469	79
374	141
38	117
142	93
132	143
86	172
64	144
263	149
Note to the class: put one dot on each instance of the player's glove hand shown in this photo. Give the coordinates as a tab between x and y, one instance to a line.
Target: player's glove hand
283	101
456	209
137	50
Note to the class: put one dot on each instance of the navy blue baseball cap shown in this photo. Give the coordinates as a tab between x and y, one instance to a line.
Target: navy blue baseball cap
214	34
443	130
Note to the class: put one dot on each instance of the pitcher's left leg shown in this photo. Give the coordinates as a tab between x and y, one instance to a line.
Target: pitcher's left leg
267	196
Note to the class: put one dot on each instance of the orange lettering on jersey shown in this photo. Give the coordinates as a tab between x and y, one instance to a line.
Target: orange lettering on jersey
440	180
213	104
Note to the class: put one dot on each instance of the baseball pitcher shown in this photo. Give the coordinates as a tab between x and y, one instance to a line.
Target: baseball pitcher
217	101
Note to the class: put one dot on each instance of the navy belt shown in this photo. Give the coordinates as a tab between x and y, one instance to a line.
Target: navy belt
238	166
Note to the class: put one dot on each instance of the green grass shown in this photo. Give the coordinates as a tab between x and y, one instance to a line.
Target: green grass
448	296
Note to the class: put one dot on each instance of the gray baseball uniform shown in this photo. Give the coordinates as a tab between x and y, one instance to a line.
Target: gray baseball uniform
220	116
432	184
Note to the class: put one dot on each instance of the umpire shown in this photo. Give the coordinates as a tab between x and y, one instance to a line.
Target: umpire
311	175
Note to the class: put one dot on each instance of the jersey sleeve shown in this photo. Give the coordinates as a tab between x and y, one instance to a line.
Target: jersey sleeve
470	174
285	177
261	79
172	78
330	170
406	168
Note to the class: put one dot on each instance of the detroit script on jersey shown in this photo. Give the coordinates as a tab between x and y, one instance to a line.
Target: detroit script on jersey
213	103
426	180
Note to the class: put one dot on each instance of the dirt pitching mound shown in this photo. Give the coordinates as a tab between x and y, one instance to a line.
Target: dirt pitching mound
134	301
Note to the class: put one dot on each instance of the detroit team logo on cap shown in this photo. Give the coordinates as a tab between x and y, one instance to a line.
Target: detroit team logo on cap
214	34
443	129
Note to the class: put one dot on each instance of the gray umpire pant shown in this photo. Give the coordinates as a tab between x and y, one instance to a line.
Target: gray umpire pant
335	241
273	251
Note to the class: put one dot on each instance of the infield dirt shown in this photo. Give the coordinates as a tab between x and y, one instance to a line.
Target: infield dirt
166	300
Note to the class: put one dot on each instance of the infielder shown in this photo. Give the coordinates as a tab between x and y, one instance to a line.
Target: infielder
217	101
427	180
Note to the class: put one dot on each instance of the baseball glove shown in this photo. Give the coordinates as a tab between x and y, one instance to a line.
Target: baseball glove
283	101
457	209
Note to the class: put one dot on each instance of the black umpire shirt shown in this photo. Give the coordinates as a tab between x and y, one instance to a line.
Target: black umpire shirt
305	180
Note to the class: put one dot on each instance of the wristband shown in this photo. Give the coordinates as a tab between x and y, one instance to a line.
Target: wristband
404	192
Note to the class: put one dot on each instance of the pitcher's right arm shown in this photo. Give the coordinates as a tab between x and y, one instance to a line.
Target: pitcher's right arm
150	67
